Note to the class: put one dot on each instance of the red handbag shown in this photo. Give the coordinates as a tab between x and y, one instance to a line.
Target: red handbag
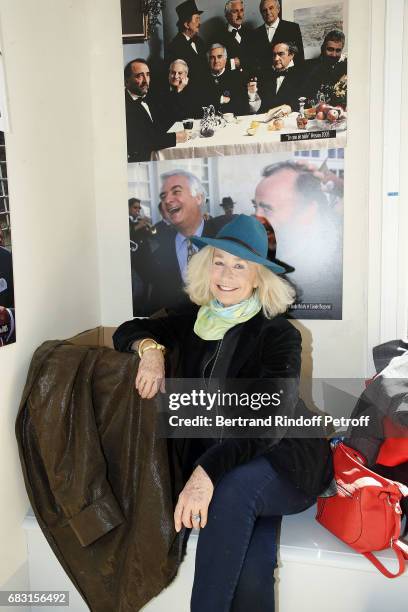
365	513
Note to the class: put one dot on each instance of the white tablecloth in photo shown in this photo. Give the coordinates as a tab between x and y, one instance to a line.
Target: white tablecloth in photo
234	140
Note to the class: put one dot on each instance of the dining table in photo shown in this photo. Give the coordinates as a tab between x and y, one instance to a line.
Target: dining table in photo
254	134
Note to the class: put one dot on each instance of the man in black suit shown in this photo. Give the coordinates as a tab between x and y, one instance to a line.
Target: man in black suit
274	30
182	197
326	70
226	87
7	328
139	233
281	86
181	99
187	45
146	120
235	37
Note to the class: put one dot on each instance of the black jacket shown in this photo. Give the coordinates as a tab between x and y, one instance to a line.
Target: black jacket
186	104
265	355
287	31
180	48
229	83
145	134
165	284
242	49
289	91
320	75
99	479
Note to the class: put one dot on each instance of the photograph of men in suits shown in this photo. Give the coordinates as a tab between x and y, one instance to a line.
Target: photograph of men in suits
274	30
182	198
146	120
187	44
236	37
280	85
216	68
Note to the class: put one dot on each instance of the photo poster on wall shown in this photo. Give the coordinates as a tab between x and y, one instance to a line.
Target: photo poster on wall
298	197
7	312
215	101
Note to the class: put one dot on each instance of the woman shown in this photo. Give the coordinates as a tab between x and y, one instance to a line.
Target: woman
237	489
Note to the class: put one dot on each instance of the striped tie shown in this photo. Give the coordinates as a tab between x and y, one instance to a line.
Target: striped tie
190	250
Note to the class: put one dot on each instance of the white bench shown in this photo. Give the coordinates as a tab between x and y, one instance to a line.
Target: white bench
316	573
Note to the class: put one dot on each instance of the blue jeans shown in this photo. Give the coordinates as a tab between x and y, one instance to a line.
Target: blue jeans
236	551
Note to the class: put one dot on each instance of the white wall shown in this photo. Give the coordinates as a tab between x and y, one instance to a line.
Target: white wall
50	164
388	216
109	159
402	315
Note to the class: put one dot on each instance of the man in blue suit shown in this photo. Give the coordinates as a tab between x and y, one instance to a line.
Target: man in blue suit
167	254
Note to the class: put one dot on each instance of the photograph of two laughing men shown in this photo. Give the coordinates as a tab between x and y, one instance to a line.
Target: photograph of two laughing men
237	69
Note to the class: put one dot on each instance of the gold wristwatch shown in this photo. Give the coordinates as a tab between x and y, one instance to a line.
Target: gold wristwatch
152	345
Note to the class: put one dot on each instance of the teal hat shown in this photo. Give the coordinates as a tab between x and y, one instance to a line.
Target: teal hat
244	237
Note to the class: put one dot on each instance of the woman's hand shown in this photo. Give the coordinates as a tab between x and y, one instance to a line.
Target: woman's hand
194	500
151	373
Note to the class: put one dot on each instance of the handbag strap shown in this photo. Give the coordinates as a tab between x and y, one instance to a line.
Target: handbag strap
401	550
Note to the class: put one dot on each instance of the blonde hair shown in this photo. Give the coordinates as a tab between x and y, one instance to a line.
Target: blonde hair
275	294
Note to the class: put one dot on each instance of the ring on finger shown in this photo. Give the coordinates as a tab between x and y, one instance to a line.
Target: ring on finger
196	517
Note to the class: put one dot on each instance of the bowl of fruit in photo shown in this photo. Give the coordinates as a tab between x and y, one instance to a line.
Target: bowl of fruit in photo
330	117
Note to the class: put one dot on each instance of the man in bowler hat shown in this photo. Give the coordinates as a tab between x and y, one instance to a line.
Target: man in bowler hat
228	204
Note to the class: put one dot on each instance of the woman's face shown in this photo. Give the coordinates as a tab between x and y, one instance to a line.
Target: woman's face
232	279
